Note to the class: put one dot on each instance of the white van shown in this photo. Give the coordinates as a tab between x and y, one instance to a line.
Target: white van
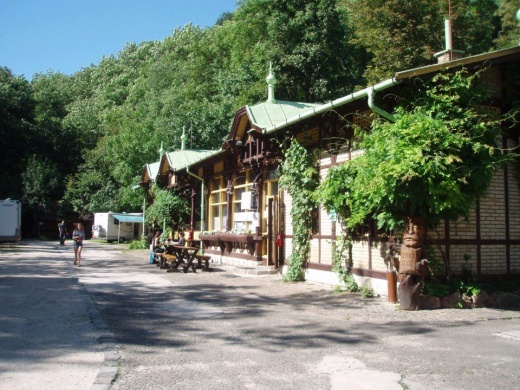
117	227
10	220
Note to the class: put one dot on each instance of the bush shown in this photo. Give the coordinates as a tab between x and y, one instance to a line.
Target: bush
367	292
139	244
347	283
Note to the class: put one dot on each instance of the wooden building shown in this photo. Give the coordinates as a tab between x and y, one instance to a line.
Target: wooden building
245	216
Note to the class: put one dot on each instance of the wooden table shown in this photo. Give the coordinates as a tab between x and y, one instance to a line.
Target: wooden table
185	256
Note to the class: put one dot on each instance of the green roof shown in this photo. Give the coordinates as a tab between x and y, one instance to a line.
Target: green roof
153	170
182	158
266	115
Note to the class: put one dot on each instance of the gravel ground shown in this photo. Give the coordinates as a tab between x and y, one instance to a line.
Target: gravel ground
222	330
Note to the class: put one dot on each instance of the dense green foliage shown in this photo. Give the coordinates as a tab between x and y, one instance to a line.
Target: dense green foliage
300	177
16	130
167	208
435	161
97	128
406	34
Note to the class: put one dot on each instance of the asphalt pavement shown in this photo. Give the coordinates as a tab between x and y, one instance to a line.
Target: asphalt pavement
119	322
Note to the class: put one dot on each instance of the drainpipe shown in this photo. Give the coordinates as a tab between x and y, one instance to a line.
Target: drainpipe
376	109
201	201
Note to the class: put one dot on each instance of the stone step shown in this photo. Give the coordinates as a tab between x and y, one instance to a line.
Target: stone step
258	270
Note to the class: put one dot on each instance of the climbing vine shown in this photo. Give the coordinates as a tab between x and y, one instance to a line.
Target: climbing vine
434	161
300	177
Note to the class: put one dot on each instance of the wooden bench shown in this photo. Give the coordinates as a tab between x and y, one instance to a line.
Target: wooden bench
165	259
205	259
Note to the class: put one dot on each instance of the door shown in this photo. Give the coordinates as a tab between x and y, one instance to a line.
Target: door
274	232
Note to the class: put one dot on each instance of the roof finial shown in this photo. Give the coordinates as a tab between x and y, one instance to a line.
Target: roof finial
183	138
518	18
271	82
161	150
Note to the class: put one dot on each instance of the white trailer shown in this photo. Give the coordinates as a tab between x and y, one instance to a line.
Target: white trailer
10	220
117	227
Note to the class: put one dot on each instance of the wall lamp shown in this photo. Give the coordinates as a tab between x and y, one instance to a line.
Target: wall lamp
254	189
231	186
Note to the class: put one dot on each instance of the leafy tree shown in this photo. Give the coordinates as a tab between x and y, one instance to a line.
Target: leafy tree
43	187
475	25
167	207
310	47
508	35
406	34
52	94
16	131
398	34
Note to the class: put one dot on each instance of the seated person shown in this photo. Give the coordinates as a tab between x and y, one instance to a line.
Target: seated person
182	240
156	242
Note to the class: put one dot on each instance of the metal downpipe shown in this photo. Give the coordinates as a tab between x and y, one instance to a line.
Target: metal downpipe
376	109
202	208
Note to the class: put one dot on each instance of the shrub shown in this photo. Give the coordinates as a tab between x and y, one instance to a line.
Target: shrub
138	244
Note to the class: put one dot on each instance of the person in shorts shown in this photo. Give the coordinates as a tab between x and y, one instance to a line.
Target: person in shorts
78	235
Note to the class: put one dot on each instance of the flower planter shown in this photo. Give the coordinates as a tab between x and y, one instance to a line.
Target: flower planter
229	241
230	237
208	237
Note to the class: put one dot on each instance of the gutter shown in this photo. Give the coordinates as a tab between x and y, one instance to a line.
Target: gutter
341	101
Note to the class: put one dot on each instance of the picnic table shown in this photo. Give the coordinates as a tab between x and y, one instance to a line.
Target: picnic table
185	256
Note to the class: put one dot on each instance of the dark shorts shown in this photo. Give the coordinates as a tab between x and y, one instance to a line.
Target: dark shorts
78	244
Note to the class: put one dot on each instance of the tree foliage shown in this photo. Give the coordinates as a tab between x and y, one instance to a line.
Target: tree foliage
16	130
98	127
406	34
508	35
167	207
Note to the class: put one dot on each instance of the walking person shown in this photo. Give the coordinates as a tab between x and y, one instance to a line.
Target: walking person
62	228
78	235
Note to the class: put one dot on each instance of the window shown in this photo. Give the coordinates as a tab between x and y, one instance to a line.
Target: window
243	215
270	187
217	205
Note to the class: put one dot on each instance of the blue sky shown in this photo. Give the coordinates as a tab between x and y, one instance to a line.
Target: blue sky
67	35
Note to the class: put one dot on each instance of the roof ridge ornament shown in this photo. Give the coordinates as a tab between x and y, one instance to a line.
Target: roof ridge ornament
271	82
518	18
183	138
161	150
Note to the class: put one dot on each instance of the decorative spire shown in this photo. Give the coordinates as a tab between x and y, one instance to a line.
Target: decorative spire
271	82
183	138
518	18
161	150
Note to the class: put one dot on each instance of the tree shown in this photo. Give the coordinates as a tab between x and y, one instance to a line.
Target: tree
475	25
508	35
16	131
405	34
310	45
167	207
52	93
43	187
398	34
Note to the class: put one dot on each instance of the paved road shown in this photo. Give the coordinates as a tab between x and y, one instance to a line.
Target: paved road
218	330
